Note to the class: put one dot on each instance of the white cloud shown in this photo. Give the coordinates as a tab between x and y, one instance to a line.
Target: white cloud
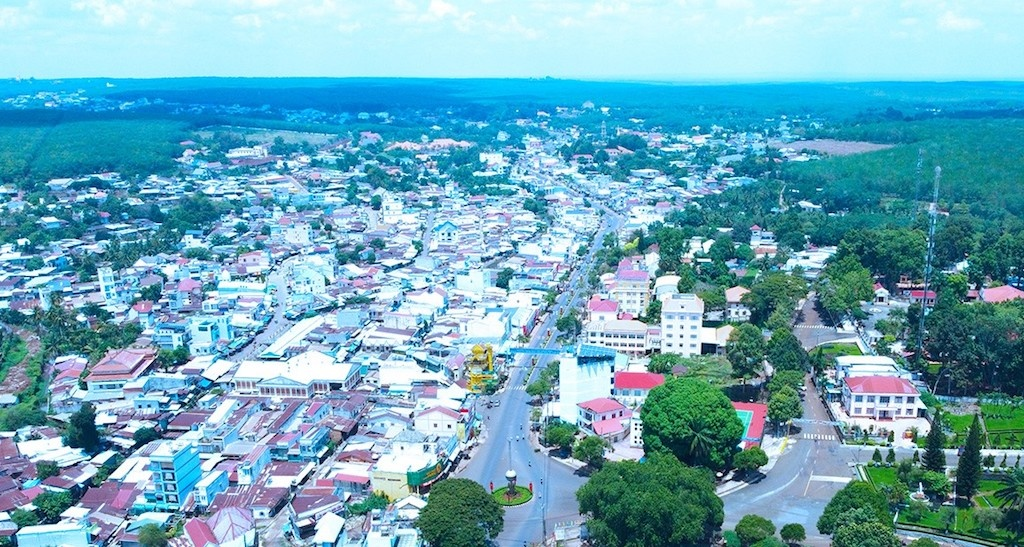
954	22
109	13
601	9
439	9
11	17
248	20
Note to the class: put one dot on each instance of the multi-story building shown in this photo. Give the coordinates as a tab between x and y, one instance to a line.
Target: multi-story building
627	336
881	398
176	470
107	378
682	317
586	375
632	290
735	309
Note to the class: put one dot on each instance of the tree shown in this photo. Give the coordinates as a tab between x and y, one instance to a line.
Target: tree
151	535
745	350
461	513
46	469
750	459
781	378
876	456
988	518
655	503
376	202
662	363
1011	494
560	434
784	405
145	435
81	430
785	353
539	387
694	421
968	470
590	450
934	457
569	323
51	504
373	501
856	494
24	517
924	542
865	534
793	533
753	528
504	276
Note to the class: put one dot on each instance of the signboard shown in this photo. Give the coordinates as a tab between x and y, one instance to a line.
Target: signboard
424	476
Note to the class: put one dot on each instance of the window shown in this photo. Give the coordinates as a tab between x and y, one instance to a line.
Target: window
449	426
871	398
910	400
856	410
858	399
883	400
899	400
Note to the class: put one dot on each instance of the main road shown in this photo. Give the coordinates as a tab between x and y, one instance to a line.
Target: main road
506	437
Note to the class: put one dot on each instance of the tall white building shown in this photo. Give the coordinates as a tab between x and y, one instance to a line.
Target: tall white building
589	374
682	316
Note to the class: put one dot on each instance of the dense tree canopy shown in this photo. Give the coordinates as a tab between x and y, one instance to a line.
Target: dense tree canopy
81	430
460	513
657	503
692	420
746	349
855	495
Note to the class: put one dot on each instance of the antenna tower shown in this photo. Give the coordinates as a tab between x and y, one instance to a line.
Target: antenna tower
604	132
917	179
933	214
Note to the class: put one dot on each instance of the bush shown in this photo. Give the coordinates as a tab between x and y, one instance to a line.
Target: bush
754	528
793	533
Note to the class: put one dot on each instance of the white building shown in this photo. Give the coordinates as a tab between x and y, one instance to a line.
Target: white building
682	317
627	336
735	309
881	398
589	374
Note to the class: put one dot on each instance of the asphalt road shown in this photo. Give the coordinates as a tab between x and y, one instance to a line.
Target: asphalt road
803	479
506	442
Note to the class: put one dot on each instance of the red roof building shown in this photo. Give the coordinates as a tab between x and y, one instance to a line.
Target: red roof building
881	398
1004	293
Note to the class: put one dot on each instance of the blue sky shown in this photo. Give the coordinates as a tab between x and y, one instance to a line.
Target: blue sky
686	40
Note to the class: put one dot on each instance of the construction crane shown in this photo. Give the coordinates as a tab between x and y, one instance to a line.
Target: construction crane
480	368
933	214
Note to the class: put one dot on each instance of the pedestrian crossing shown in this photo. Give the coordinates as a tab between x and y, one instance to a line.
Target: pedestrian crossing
817	437
817	327
516	387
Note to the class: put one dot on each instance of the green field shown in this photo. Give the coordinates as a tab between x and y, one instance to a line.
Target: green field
33	151
835	350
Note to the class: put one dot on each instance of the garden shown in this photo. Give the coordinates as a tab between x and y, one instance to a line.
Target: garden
922	499
1002	423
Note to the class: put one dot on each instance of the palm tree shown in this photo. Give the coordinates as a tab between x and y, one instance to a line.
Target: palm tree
697	443
1012	494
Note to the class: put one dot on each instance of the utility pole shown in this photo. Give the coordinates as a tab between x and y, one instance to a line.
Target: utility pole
933	213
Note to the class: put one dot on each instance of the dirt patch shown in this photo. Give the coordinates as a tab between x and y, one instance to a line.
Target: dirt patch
17	381
833	147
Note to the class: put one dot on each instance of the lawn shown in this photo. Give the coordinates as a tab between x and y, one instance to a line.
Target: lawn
835	350
1003	418
933	517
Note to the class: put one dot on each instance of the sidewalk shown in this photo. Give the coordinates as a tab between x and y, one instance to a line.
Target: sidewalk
774	447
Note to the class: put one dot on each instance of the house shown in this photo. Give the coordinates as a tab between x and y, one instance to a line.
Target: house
107	378
735	309
604	417
632	388
881	398
65	534
920	297
881	294
446	234
1004	293
440	420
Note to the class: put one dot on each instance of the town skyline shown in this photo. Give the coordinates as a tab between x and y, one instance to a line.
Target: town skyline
685	41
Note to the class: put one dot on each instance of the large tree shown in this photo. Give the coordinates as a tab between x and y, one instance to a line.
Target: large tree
81	430
656	503
460	513
865	534
785	351
151	535
968	469
784	405
934	457
692	420
746	350
855	495
590	450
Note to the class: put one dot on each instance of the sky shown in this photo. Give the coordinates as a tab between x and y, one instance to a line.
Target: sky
669	40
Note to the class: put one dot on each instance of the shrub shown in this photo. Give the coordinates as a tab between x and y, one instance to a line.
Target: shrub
754	528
